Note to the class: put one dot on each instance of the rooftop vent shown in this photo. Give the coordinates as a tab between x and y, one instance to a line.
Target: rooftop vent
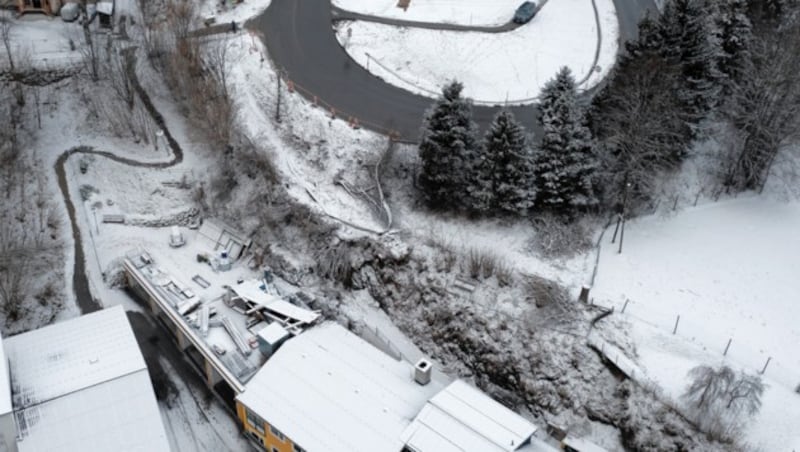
422	371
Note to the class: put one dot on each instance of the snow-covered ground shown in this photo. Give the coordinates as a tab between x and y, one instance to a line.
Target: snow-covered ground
494	67
331	148
222	11
43	42
728	269
463	12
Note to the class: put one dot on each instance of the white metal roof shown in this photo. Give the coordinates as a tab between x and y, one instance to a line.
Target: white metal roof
273	333
330	391
5	383
250	290
582	445
83	385
461	418
118	415
69	356
105	7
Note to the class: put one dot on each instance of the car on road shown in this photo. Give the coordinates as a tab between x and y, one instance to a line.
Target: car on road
525	12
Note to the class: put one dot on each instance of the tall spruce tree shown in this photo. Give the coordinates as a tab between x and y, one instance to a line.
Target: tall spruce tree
447	146
565	162
690	41
735	35
649	42
510	164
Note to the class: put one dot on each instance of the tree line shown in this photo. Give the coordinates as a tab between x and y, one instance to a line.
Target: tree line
727	63
504	172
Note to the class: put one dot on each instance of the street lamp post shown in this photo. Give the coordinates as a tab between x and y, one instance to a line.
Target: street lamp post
624	215
96	226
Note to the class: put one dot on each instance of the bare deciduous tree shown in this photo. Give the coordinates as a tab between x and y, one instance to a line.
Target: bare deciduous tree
709	385
6	25
119	69
637	119
764	109
720	399
218	64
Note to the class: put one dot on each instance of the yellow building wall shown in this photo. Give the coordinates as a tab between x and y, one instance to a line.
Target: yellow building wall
268	439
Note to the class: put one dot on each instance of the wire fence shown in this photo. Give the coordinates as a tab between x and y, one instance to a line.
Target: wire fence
706	338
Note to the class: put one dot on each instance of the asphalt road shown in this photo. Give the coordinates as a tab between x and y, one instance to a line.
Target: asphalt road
301	41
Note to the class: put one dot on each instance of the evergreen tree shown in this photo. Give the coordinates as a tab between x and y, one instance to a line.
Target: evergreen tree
448	143
565	162
691	42
649	42
510	165
735	35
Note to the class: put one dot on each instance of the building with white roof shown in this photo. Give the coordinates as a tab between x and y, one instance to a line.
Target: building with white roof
462	418
299	386
327	390
82	385
219	319
8	432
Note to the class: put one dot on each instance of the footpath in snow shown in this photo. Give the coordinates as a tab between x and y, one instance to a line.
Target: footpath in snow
494	67
729	270
461	12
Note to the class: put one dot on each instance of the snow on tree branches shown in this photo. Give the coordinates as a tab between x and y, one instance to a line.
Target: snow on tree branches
448	142
565	162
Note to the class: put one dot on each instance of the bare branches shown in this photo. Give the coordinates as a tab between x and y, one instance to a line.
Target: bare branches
637	118
218	64
719	398
765	108
6	25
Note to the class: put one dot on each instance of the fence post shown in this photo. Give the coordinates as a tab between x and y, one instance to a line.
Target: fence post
625	305
765	365
675	330
584	296
727	347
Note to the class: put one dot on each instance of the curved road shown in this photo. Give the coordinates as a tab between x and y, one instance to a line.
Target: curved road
301	41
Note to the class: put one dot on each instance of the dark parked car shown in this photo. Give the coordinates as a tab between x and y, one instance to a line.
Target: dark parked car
525	12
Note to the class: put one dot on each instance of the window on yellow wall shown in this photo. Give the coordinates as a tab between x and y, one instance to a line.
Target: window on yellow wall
255	421
296	448
277	433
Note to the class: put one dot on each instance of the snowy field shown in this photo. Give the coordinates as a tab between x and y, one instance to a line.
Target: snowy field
729	270
462	12
494	67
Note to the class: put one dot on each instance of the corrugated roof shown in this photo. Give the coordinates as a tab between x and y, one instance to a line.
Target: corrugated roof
462	418
329	390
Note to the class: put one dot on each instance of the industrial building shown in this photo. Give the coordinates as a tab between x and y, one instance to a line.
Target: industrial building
298	385
78	386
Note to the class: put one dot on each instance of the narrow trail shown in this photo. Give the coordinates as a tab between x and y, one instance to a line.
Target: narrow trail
340	14
80	281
